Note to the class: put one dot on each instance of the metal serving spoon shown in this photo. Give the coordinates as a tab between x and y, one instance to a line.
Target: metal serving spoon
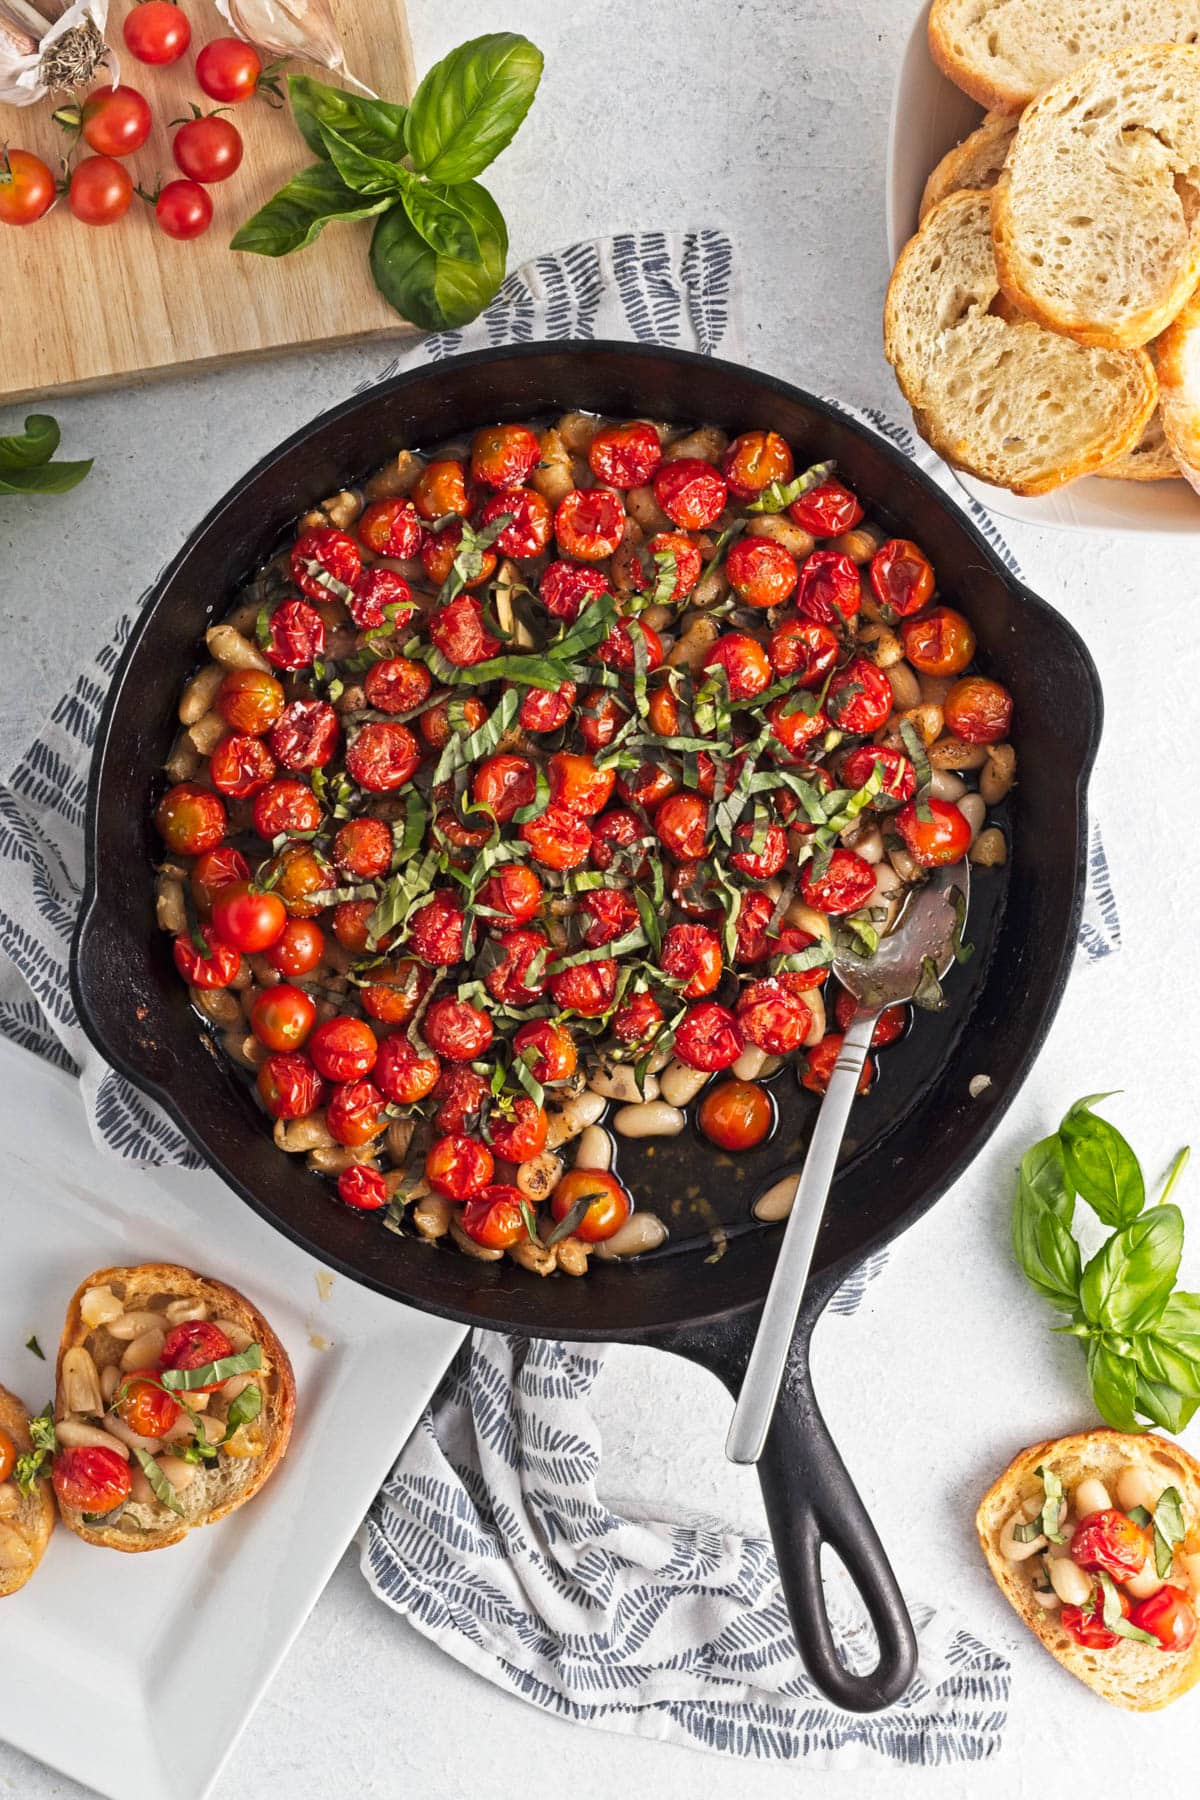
924	930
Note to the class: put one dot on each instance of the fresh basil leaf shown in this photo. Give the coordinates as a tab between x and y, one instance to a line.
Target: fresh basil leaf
376	127
1115	1619
440	292
243	1410
1044	1176
445	226
213	1373
1140	1516
1164	1406
295	216
46	478
32	447
1169	1529
471	104
1114	1384
1045	1249
1101	1164
1126	1285
365	173
163	1492
1172	1361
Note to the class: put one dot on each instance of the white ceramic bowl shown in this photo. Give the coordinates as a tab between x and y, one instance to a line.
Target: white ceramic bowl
929	116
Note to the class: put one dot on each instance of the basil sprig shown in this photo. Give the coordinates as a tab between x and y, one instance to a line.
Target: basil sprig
25	460
1142	1339
439	249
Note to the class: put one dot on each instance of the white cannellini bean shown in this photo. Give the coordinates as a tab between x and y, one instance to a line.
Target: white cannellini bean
1046	1598
139	1488
1138	1487
641	1231
680	1083
866	841
1070	1583
538	1178
946	785
180	1311
119	1429
237	1334
594	1149
617	1081
237	1384
110	1380
1010	1546
80	1436
132	1324
974	811
1090	1496
10	1499
1146	1582
144	1351
99	1306
814	999
653	1118
776	1203
571	1118
180	1474
80	1382
749	1065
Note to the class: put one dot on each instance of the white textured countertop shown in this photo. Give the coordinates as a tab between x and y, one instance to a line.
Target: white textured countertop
770	119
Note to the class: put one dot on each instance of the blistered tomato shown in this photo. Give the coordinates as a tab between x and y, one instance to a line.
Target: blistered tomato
566	586
145	1405
898	775
402	1074
692	954
761	572
625	456
193	1345
1112	1541
589	524
829	589
607	1203
249	700
213	966
355	1113
691	492
458	1167
289	1086
91	1479
495	1218
826	510
822	1059
586	988
521	1134
456	1029
943	836
1167	1615
681	824
392	528
940	642
774	1016
519	977
397	684
735	1115
709	1037
343	1049
978	710
504	456
190	819
846	883
300	948
803	648
325	564
441	490
459	632
860	698
754	460
746	664
363	1188
901	577
889	1026
548	1050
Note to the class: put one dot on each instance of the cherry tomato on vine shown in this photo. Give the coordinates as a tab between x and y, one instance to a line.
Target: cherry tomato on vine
115	121
157	32
228	70
27	188
183	210
208	148
100	191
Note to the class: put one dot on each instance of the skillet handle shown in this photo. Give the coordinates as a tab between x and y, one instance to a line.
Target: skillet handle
811	1500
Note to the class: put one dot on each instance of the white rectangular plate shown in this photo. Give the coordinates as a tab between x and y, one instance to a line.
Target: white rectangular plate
135	1674
929	116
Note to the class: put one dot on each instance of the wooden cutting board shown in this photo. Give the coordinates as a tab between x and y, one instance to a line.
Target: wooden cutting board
90	307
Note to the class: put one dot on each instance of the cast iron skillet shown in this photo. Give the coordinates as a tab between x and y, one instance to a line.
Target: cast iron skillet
917	1133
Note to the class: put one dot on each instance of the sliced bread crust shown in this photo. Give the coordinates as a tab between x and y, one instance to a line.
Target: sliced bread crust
1177	359
1096	213
34	1515
998	395
214	1491
1004	52
1139	1677
975	163
1151	458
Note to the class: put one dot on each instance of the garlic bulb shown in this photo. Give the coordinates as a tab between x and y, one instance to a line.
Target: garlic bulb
39	58
301	28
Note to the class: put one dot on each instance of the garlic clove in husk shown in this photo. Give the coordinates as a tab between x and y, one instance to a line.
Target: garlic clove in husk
38	57
297	28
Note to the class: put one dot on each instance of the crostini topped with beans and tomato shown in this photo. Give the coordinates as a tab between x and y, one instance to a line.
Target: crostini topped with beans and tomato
542	775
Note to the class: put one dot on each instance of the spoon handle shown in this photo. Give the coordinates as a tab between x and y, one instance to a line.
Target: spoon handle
760	1390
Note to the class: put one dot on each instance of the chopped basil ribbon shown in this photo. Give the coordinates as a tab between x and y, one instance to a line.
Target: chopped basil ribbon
163	1492
922	768
214	1373
1115	1619
963	952
1169	1529
777	496
928	993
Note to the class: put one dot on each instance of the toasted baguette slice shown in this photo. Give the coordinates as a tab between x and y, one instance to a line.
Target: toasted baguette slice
1137	1676
1096	213
1002	54
26	1520
216	1488
1000	396
1177	359
975	163
1151	458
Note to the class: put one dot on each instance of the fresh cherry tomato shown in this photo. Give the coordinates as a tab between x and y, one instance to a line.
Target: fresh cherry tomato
289	1086
27	188
940	642
363	1188
625	456
521	1135
754	460
681	824
530	522
284	807
440	549
692	954
241	766
305	735
459	632
193	1345
846	883
383	756
773	1014
434	722
1088	1628
1112	1541
763	850
459	1167
899	776
247	917
589	524
587	988
91	1479
249	700
519	976
100	191
761	572
822	1059
892	1023
826	510
145	1405
609	1206
829	589
228	70
441	490
208	149
709	1037
548	1049
943	837
8	1454
691	492
213	967
805	649
380	597
402	1074
115	121
189	819
1167	1615
157	32
794	725
901	577
295	635
566	586
495	1218
736	1115
977	710
325	562
392	528
299	950
343	1049
684	553
397	684
355	1113
457	1030
504	456
282	1017
745	662
860	697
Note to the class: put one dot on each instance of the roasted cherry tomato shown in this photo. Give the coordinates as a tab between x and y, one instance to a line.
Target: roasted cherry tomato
795	725
977	710
587	988
1112	1541
860	698
247	917
214	870
601	716
459	632
193	1345
286	807
343	1049
589	524
396	991
402	1073
100	191
355	1113
614	838
709	1037
282	1017
27	188
774	1015
944	836
544	710
566	586
157	32
295	635
363	847
397	684
459	1167
891	1025
462	1098
434	723
754	460
520	1135
803	648
692	954
115	121
647	785
609	1204
363	1188
300	948
383	756
940	642
502	784
901	577
762	850
548	1050
495	1218
208	149
618	652
513	893
241	766
610	912
213	967
899	776
392	528
289	1086
530	522
504	456
1167	1615
228	70
381	597
325	563
190	819
457	1030
637	1021
249	700
441	490
745	662
437	931
826	510
681	824
846	883
761	572
145	1405
577	785
684	553
691	492
822	1059
440	549
736	1115
829	589
519	977
297	873
625	456
352	925
1089	1629
91	1479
